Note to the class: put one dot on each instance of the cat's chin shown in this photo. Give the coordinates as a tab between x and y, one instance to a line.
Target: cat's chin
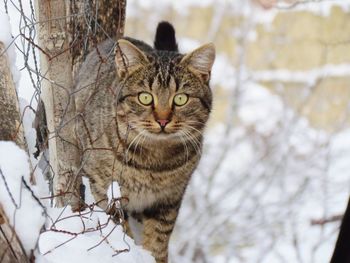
162	135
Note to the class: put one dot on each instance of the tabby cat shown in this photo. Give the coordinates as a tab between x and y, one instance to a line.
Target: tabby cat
141	113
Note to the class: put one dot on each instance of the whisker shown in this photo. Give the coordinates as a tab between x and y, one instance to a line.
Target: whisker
131	143
185	145
136	145
191	121
194	141
193	128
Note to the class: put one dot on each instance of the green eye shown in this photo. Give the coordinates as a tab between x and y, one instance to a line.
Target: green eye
180	99
145	98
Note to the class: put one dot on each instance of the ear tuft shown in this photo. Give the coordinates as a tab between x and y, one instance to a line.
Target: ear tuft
128	57
201	60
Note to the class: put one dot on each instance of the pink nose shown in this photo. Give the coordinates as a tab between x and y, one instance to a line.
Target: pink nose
162	122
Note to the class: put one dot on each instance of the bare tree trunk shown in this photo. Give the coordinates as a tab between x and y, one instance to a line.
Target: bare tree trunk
70	30
11	249
56	64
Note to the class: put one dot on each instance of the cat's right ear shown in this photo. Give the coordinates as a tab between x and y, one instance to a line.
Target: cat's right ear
128	58
200	61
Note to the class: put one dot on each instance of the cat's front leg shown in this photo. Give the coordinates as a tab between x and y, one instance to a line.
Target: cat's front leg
158	224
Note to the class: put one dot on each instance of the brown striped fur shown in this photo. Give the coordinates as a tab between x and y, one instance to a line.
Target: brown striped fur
120	139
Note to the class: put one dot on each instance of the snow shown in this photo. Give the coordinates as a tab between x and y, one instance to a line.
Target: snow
113	191
68	232
76	250
306	76
260	108
223	73
187	45
6	38
323	9
23	212
181	6
61	224
21	77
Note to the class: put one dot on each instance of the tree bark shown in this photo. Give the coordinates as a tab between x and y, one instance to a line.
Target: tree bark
11	249
73	29
56	62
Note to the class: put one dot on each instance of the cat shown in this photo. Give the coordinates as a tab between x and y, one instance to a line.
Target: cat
141	112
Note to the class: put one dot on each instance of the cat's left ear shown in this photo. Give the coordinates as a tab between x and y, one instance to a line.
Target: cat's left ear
128	58
200	61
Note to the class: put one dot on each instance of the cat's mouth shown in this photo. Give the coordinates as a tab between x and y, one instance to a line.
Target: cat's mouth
158	131
161	134
162	130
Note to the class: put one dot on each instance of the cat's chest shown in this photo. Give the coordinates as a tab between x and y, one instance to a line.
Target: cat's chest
144	188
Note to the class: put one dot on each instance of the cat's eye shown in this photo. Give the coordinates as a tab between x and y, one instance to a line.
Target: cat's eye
180	99
145	98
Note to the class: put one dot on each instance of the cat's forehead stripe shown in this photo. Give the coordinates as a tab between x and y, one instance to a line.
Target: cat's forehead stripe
164	66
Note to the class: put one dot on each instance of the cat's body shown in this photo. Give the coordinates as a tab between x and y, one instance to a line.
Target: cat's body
151	149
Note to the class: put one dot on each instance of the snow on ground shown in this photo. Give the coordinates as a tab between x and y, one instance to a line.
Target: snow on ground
23	211
64	240
57	234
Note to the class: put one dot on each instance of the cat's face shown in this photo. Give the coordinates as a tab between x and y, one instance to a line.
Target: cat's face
163	94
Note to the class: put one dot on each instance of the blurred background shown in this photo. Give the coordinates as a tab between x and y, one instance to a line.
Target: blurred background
274	179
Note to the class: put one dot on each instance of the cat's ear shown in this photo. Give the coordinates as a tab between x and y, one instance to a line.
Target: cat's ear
128	58
200	61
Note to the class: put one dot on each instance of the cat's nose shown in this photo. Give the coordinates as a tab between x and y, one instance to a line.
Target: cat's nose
162	123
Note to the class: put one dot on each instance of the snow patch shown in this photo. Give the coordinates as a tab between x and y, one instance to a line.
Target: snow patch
260	108
6	39
322	8
309	76
113	191
23	211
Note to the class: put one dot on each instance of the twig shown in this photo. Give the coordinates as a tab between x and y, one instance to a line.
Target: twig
323	221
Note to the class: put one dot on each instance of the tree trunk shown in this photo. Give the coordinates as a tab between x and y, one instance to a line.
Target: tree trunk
56	62
11	249
73	29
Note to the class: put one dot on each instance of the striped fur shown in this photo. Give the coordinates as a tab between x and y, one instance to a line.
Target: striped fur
120	139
